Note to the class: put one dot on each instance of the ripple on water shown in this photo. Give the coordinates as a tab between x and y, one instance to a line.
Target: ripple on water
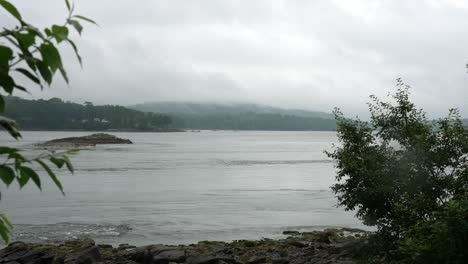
67	231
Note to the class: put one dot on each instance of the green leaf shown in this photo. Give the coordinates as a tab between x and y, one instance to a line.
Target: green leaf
51	175
50	56
30	75
68	164
76	52
48	32
2	104
4	232
11	9
7	222
19	87
28	173
17	157
12	40
34	30
58	162
64	73
7	174
6	82
86	19
7	150
25	40
76	25
44	71
6	54
23	180
30	60
68	5
11	126
60	33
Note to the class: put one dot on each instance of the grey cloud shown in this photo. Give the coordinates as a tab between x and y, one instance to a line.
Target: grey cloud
291	53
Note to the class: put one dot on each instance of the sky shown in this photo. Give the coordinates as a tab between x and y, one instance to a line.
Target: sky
313	55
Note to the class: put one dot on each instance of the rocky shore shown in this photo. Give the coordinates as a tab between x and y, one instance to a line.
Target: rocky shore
329	246
90	140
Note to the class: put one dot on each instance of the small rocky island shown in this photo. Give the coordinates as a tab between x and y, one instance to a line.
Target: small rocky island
85	141
329	246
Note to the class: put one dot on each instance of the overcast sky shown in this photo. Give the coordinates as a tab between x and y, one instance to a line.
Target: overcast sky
295	54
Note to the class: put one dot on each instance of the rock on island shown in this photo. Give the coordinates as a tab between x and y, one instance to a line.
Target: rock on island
90	140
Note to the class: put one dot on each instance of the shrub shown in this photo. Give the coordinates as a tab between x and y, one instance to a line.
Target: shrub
401	172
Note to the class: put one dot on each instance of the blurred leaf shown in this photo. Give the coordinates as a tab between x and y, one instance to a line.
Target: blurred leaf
2	104
11	9
34	30
58	162
48	32
10	126
6	54
6	82
68	164
44	71
50	56
60	33
76	52
19	87
7	174
7	222
30	60
28	74
76	25
5	150
68	5
13	41
23	179
64	73
4	233
85	19
27	173
51	174
25	40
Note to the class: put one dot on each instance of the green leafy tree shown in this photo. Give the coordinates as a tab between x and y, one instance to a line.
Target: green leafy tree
400	170
28	51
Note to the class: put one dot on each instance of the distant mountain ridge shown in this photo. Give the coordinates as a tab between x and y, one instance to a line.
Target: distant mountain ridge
194	108
239	116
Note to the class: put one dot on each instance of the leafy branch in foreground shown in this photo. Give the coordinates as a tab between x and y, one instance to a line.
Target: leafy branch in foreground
32	53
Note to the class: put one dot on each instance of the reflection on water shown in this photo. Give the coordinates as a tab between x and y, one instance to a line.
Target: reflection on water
182	188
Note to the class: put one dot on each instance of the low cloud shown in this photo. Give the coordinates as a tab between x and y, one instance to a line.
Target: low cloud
296	54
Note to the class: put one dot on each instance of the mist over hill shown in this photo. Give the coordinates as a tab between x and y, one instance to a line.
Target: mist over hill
193	108
239	116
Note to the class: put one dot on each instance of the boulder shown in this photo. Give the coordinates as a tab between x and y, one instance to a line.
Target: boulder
207	259
140	254
87	256
165	257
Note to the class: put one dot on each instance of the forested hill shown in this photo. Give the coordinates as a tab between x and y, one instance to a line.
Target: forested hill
234	116
55	114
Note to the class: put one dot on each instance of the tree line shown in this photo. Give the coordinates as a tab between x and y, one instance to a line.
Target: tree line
253	121
56	114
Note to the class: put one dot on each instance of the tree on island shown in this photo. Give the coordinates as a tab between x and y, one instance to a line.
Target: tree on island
408	177
33	53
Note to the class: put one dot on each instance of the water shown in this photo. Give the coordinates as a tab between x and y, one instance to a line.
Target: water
177	188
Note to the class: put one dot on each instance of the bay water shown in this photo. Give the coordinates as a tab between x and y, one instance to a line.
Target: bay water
179	188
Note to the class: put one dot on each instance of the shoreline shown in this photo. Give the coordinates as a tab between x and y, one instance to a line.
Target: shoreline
334	245
109	130
169	130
